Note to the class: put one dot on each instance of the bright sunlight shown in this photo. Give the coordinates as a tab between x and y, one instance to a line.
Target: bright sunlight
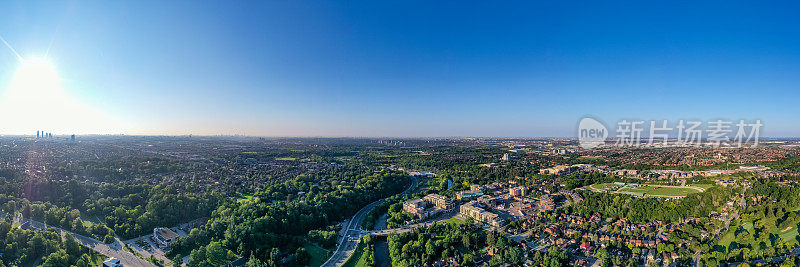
35	100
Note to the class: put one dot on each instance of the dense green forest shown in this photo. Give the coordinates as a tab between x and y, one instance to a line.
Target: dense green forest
643	210
281	216
128	210
462	244
24	247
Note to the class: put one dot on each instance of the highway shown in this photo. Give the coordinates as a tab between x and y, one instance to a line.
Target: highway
352	232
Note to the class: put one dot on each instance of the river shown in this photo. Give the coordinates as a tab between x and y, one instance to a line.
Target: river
381	247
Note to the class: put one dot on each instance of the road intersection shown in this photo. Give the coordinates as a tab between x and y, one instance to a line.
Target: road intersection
352	232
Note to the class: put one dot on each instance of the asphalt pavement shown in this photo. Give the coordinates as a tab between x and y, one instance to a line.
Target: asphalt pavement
111	250
352	232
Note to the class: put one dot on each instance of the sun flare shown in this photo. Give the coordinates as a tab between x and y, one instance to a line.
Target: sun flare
35	78
35	100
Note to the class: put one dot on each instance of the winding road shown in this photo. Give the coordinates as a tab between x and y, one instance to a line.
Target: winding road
352	232
111	250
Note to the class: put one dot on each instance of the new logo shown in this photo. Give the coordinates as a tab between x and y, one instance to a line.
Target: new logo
591	133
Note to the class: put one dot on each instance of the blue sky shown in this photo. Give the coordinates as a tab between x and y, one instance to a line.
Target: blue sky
413	68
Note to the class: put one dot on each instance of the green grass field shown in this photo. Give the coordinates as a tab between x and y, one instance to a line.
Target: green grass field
745	234
645	190
658	191
356	260
318	255
788	234
286	158
454	220
605	187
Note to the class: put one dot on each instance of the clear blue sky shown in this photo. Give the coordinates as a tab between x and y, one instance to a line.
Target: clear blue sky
414	68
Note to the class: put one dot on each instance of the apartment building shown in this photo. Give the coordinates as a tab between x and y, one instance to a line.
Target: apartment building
479	214
418	207
441	202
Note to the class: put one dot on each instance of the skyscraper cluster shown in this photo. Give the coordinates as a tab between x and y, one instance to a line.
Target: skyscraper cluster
42	134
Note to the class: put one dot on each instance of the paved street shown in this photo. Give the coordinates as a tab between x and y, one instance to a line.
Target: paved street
111	250
408	228
352	232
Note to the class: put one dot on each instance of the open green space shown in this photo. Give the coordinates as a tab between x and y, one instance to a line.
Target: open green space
286	159
648	190
704	186
318	255
604	187
454	220
645	189
356	260
760	233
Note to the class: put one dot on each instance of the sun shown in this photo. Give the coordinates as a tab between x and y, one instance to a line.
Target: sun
34	99
35	78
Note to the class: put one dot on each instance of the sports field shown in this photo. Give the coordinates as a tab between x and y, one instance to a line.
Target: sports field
646	190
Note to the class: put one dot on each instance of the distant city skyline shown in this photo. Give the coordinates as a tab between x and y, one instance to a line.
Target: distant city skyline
401	69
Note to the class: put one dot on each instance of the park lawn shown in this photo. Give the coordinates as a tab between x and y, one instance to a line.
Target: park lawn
646	190
788	234
318	255
286	158
729	236
726	240
659	191
748	226
455	221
